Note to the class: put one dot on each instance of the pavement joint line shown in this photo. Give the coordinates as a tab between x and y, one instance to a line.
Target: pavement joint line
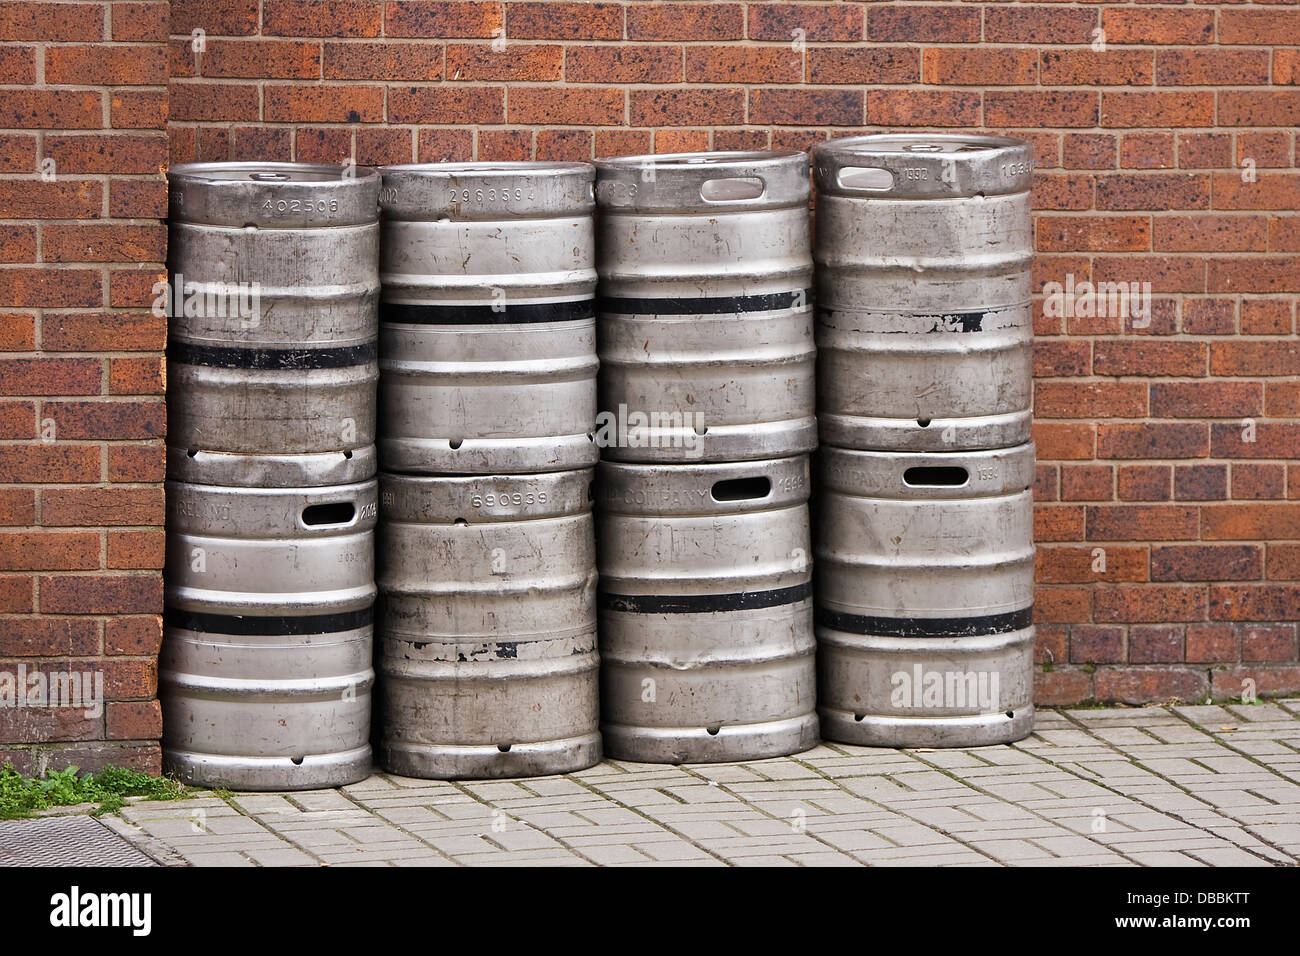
1180	816
396	826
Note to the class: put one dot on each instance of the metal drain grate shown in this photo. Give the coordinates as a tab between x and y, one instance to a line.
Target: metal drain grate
65	841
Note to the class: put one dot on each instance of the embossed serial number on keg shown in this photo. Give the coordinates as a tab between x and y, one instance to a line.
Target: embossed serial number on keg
281	207
369	510
1015	169
509	499
518	194
915	173
791	483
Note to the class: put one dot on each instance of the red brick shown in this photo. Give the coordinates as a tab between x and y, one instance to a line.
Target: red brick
1272	191
1061	358
133	288
953	66
1071	67
803	107
17	153
1093	233
1204	150
51	22
104	243
17	507
468	105
120	153
133	65
323	103
924	24
1209	233
17	594
262	144
1275	681
307	18
1088	150
1155	644
1090	400
139	109
564	145
566	21
1142	522
101	594
380	146
1146	685
1087	483
1067	565
1207	563
1286	67
1255	602
1157	26
49	637
1144	482
626	142
1061	442
685	21
922	107
1134	109
51	109
1212	643
1282	399
1265	148
1050	644
17	420
532	63
137	198
1267	276
445	145
263	59
133	720
505	145
17	243
1262	27
686	107
1149	358
820	22
140	22
18	65
93	757
1264	440
48	724
1061	687
49	551
1200	482
680	140
1254	482
137	636
1064	108
1091	644
1147	151
131	678
733	64
1247	522
1058	523
50	376
135	550
142	463
17	332
1206	399
215	17
213	102
323	145
623	64
1210	67
1148	603
1062	605
50	463
91	507
1152	440
550	106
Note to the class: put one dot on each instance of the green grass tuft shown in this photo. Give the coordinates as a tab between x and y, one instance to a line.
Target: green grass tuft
22	796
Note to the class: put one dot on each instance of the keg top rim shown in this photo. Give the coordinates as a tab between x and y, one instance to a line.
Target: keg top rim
490	168
912	143
269	173
701	159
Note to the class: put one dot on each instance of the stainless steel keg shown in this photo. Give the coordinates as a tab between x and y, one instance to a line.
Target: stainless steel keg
487	342
925	597
272	298
924	327
706	610
487	652
705	329
265	671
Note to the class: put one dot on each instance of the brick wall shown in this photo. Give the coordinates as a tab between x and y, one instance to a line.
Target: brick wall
83	114
1169	511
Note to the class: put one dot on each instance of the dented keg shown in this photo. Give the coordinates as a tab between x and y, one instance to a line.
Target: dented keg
273	298
265	671
925	597
705	331
488	340
487	651
706	634
924	328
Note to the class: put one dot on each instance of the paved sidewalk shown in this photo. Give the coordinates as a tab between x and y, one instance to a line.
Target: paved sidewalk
1180	786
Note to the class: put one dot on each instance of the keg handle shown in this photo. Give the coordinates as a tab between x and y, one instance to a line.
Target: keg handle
329	513
868	178
742	489
935	476
269	177
733	189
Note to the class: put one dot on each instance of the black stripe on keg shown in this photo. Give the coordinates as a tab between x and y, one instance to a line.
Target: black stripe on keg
224	356
532	313
715	305
258	626
703	603
926	626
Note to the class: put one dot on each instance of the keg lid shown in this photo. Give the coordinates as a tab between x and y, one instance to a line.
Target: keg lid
273	195
906	475
718	488
923	166
465	192
699	182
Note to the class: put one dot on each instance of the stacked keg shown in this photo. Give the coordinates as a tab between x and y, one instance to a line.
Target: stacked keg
706	424
487	654
924	540
265	671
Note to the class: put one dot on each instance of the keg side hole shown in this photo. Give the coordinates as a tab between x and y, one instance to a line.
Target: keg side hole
1011	714
701	430
923	422
461	523
737	189
297	761
713	731
860	177
347	455
859	718
741	489
192	453
335	512
504	748
455	443
936	476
